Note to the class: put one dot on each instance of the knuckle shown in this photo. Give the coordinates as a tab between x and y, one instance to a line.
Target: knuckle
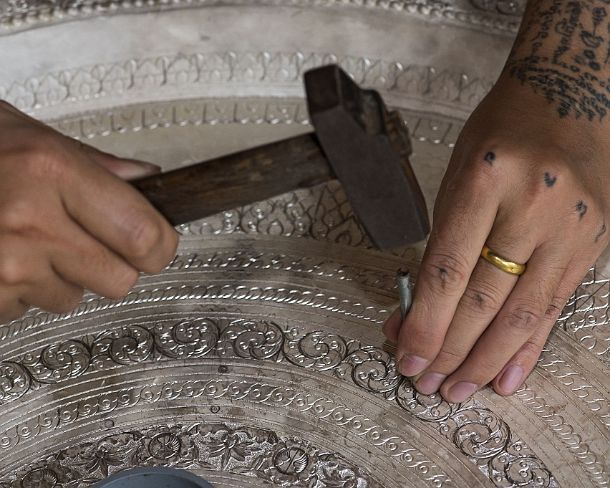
12	271
167	252
123	285
535	188
554	308
19	215
143	238
446	272
448	360
534	192
601	235
44	159
69	301
482	299
418	337
530	351
479	180
523	317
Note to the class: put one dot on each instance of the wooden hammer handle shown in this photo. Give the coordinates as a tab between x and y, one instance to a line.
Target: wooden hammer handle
207	188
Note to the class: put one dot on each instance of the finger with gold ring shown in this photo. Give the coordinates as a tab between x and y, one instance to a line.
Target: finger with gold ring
502	263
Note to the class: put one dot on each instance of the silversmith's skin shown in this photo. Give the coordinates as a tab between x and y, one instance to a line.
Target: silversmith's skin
528	178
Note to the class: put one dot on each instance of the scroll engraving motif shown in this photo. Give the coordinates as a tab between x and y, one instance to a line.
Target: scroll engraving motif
586	316
565	432
24	14
248	451
322	408
506	7
594	399
476	431
14	381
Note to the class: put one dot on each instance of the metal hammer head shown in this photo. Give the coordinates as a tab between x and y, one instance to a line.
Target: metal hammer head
368	149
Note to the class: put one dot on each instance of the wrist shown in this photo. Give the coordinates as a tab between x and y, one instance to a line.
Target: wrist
562	53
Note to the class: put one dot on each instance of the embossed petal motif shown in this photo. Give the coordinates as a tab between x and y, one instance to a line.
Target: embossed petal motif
23	14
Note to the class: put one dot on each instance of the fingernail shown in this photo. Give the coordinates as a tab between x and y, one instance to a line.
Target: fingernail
511	379
461	391
149	167
136	169
412	365
430	383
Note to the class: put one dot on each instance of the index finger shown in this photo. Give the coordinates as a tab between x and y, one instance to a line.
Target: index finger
463	220
117	215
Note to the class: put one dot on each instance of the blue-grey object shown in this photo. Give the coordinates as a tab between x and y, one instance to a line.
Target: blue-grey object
153	478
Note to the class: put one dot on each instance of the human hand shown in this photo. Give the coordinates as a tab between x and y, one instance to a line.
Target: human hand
68	222
534	187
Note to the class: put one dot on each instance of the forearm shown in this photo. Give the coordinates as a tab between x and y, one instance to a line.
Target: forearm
563	53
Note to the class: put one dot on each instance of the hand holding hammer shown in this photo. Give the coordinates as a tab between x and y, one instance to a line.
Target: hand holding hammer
67	224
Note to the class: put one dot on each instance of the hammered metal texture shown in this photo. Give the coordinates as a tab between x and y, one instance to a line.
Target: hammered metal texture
257	358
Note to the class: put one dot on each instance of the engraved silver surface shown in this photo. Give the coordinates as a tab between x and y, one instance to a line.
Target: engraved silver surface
257	358
503	15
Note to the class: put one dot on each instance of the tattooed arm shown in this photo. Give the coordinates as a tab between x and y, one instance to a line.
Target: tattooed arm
562	52
530	178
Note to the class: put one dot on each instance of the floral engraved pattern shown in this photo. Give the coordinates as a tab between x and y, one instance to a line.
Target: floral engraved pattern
374	370
133	76
476	431
252	339
14	381
248	451
327	216
506	7
586	316
128	345
79	381
58	362
594	468
433	129
187	338
317	350
23	14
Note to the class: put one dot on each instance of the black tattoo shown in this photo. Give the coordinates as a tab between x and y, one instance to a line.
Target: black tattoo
490	157
563	53
601	232
549	180
581	208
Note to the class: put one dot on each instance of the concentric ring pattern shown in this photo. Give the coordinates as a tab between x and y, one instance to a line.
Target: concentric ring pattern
257	358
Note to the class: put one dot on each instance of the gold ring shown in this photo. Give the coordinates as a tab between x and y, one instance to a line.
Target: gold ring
501	263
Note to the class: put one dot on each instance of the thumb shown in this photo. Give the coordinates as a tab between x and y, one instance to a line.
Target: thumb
126	169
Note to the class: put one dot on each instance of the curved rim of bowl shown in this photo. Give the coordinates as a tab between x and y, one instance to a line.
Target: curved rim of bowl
179	474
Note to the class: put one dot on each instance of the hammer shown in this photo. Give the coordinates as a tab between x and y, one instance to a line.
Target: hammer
356	141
